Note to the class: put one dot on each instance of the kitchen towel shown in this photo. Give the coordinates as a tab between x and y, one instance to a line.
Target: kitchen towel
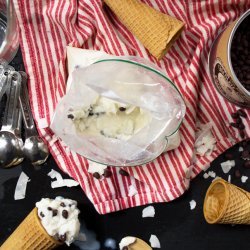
47	26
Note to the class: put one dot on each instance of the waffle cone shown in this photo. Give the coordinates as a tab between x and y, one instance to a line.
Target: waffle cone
155	30
225	203
30	235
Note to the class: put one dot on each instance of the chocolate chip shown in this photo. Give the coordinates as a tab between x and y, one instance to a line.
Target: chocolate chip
123	172
65	214
49	208
235	125
242	134
229	156
245	154
246	164
125	248
235	115
107	173
54	212
237	173
62	237
243	143
62	204
91	113
242	113
96	175
241	126
122	109
238	121
70	116
42	214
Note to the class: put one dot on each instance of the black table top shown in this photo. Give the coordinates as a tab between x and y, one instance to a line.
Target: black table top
176	226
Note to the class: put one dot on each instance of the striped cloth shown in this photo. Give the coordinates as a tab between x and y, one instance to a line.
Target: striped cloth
48	26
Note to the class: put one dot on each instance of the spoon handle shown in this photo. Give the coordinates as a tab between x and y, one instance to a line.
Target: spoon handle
11	110
4	72
29	124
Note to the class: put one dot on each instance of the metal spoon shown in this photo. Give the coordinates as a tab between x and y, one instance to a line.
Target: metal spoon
10	150
34	147
18	135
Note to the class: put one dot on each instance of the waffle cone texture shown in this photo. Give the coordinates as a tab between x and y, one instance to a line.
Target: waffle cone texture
226	203
155	30
30	235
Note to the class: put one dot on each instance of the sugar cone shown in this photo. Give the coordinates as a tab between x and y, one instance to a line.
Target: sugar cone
30	235
155	30
139	245
225	203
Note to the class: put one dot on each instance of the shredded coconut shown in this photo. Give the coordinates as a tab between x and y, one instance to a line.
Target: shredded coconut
148	212
244	178
205	142
154	241
21	185
227	165
192	204
132	190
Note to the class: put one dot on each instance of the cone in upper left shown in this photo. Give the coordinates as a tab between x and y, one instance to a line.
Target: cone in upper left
155	30
30	235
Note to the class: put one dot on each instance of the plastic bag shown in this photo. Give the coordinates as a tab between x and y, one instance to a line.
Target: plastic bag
133	82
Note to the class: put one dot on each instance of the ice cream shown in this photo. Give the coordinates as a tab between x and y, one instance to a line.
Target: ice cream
59	217
109	118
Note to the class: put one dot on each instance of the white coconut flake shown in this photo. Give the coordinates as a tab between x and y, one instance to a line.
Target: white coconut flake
244	178
227	165
96	168
229	178
65	183
132	190
241	149
205	175
60	182
126	241
55	175
192	204
205	142
154	241
148	212
212	174
21	185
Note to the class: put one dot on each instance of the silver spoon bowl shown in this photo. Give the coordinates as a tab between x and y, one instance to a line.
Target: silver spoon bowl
35	150
9	149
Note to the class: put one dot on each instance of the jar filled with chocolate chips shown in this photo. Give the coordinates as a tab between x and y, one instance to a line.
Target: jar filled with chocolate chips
240	53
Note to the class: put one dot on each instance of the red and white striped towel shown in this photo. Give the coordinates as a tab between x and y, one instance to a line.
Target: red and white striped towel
48	26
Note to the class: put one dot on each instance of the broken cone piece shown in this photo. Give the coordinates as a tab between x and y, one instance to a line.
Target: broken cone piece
155	30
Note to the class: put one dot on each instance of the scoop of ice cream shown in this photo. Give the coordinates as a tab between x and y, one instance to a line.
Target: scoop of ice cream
59	217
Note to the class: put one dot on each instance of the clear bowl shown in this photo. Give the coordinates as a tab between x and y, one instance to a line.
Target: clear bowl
130	80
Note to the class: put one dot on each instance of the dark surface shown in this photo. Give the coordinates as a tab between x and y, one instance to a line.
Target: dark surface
176	226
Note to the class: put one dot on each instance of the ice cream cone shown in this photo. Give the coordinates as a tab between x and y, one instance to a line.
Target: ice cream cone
155	30
225	203
30	235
